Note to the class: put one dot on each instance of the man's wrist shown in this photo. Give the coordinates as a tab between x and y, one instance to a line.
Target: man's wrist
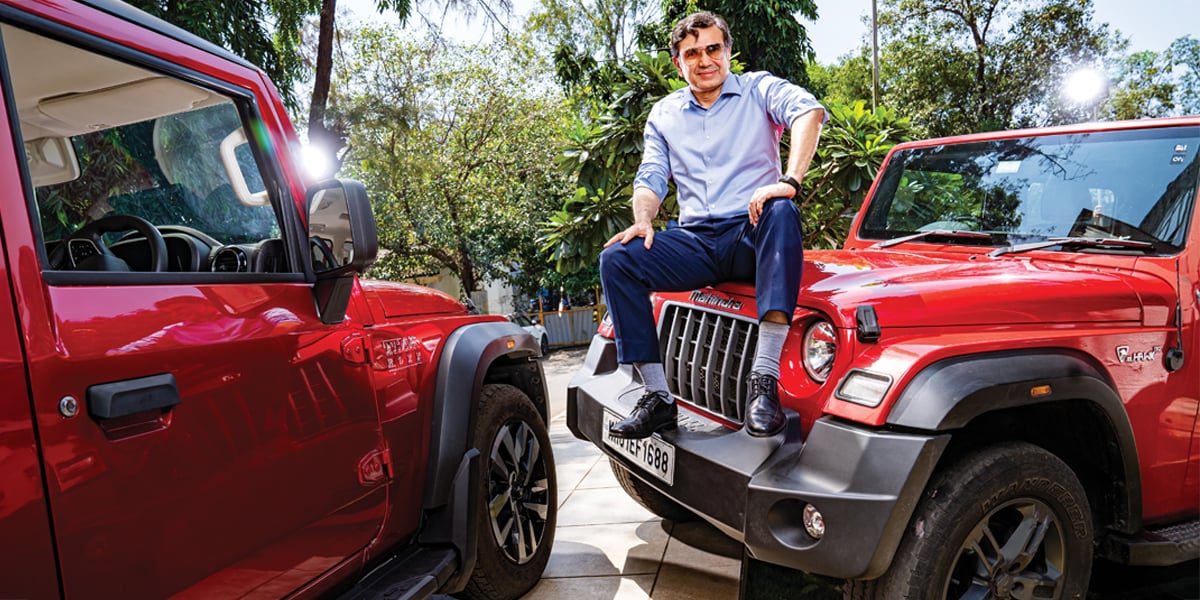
791	181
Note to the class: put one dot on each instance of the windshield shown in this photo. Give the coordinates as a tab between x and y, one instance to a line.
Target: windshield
1136	185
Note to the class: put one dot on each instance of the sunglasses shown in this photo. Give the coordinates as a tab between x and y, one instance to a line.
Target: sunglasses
714	51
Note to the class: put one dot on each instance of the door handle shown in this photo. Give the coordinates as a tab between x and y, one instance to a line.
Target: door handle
129	396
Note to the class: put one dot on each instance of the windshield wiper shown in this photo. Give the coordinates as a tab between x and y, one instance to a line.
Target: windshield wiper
946	233
1076	242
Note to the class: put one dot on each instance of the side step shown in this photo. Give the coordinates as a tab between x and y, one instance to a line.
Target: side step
1157	547
414	576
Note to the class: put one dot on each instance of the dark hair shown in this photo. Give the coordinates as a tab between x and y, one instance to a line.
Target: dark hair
690	26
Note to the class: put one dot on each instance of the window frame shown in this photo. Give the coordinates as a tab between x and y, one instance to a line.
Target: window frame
245	102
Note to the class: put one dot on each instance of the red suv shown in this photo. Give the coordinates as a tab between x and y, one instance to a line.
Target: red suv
994	381
204	400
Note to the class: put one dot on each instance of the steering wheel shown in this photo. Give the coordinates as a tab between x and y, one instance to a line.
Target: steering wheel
97	256
323	258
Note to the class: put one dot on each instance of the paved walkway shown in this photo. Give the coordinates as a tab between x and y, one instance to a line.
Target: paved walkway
608	547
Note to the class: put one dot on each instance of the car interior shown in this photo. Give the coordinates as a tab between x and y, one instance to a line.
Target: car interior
135	170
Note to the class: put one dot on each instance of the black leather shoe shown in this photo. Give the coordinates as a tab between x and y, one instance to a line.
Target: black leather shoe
652	413
764	415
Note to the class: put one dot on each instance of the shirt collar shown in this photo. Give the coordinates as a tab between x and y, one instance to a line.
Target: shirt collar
731	87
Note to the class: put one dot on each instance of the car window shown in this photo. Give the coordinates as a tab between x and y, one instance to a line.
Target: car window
105	139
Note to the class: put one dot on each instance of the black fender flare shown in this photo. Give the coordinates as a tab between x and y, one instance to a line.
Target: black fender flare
466	357
951	392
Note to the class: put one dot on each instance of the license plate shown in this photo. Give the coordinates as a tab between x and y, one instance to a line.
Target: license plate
651	454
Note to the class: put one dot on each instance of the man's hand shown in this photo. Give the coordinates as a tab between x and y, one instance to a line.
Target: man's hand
637	230
764	193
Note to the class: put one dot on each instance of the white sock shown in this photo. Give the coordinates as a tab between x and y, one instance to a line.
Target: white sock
654	377
771	337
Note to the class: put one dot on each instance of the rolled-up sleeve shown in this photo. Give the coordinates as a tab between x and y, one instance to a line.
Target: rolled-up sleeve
655	169
786	100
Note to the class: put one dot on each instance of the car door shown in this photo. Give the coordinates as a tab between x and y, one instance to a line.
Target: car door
204	434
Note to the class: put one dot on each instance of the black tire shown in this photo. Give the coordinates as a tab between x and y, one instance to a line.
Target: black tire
518	464
545	346
991	499
650	498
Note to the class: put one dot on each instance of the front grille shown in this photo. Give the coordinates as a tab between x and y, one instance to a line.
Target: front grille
707	356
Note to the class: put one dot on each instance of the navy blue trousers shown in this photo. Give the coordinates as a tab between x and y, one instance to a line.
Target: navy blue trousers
684	258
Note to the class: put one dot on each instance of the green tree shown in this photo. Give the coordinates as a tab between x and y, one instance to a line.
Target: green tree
589	41
325	132
604	157
241	26
845	81
960	66
1142	88
456	145
853	144
1185	54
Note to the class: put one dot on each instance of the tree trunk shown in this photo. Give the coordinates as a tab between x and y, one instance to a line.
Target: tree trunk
319	133
467	274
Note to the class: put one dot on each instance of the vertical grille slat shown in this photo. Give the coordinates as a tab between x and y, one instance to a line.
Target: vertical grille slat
728	374
713	377
707	355
697	361
671	352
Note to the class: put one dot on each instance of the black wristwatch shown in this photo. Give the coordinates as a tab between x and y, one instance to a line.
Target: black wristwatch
788	179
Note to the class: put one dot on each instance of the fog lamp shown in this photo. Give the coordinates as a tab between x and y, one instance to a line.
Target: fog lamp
814	522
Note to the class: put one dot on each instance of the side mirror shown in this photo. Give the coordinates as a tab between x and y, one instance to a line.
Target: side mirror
342	241
341	228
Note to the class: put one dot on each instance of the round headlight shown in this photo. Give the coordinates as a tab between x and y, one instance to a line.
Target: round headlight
820	346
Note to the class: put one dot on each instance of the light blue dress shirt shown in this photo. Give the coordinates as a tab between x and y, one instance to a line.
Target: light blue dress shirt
718	156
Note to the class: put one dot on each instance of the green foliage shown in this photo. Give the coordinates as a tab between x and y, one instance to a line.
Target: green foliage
853	144
1144	88
456	145
961	66
590	39
845	82
241	27
1152	84
1185	54
604	159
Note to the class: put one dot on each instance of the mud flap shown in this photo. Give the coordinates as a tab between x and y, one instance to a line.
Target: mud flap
464	520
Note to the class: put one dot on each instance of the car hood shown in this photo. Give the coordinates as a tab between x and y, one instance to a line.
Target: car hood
926	290
390	299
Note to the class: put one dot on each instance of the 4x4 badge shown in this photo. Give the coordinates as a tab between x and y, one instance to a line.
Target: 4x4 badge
1125	355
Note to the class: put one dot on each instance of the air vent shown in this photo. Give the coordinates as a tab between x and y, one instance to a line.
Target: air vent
230	259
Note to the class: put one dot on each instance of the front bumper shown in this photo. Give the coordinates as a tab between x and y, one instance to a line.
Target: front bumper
866	482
